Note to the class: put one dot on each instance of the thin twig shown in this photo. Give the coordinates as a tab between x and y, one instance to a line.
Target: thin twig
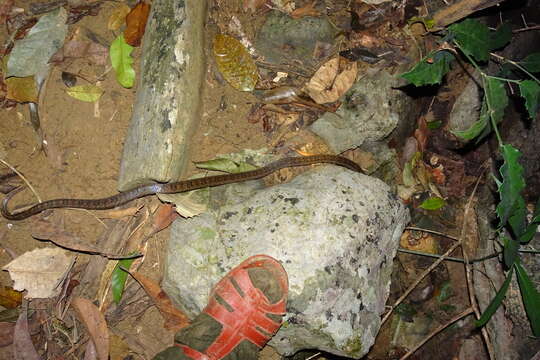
468	267
314	356
536	27
463	314
23	179
432	232
418	280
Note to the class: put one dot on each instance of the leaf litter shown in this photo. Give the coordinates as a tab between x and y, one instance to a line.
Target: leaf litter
324	86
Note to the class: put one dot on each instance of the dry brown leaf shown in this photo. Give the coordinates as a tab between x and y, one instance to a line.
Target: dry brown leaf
121	213
22	342
82	49
327	85
174	318
136	23
95	323
163	217
90	352
307	10
6	333
118	17
53	232
40	271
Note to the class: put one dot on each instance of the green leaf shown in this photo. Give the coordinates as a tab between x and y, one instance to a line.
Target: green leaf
531	62
225	165
428	23
472	37
530	91
510	252
475	129
512	183
430	70
496	302
88	93
121	61
496	98
501	37
531	298
433	125
532	227
433	203
118	279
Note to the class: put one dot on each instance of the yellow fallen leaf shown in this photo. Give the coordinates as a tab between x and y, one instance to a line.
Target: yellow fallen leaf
88	93
235	63
22	89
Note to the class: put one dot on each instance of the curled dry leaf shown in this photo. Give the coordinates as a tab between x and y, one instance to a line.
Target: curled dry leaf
174	318
51	231
328	84
22	342
40	271
136	23
95	323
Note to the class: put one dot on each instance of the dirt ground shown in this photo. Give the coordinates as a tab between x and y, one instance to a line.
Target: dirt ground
84	144
84	149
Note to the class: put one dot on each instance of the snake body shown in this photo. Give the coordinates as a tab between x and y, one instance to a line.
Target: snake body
176	187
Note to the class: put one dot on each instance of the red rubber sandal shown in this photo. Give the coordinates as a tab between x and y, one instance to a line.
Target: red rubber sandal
248	320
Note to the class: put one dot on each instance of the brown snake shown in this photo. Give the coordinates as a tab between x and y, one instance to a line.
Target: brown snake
176	187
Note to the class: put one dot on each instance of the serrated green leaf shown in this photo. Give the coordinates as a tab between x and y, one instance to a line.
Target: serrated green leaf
433	203
532	227
530	91
496	98
88	93
472	37
118	279
225	165
430	70
531	62
475	129
496	301
501	37
512	183
510	252
531	298
121	61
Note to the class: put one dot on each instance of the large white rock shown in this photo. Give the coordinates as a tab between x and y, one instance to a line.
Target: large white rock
336	233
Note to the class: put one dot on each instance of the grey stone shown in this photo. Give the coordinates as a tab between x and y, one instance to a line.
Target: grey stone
283	39
371	110
335	232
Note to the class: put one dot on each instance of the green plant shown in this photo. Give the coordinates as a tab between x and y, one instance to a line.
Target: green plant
475	41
